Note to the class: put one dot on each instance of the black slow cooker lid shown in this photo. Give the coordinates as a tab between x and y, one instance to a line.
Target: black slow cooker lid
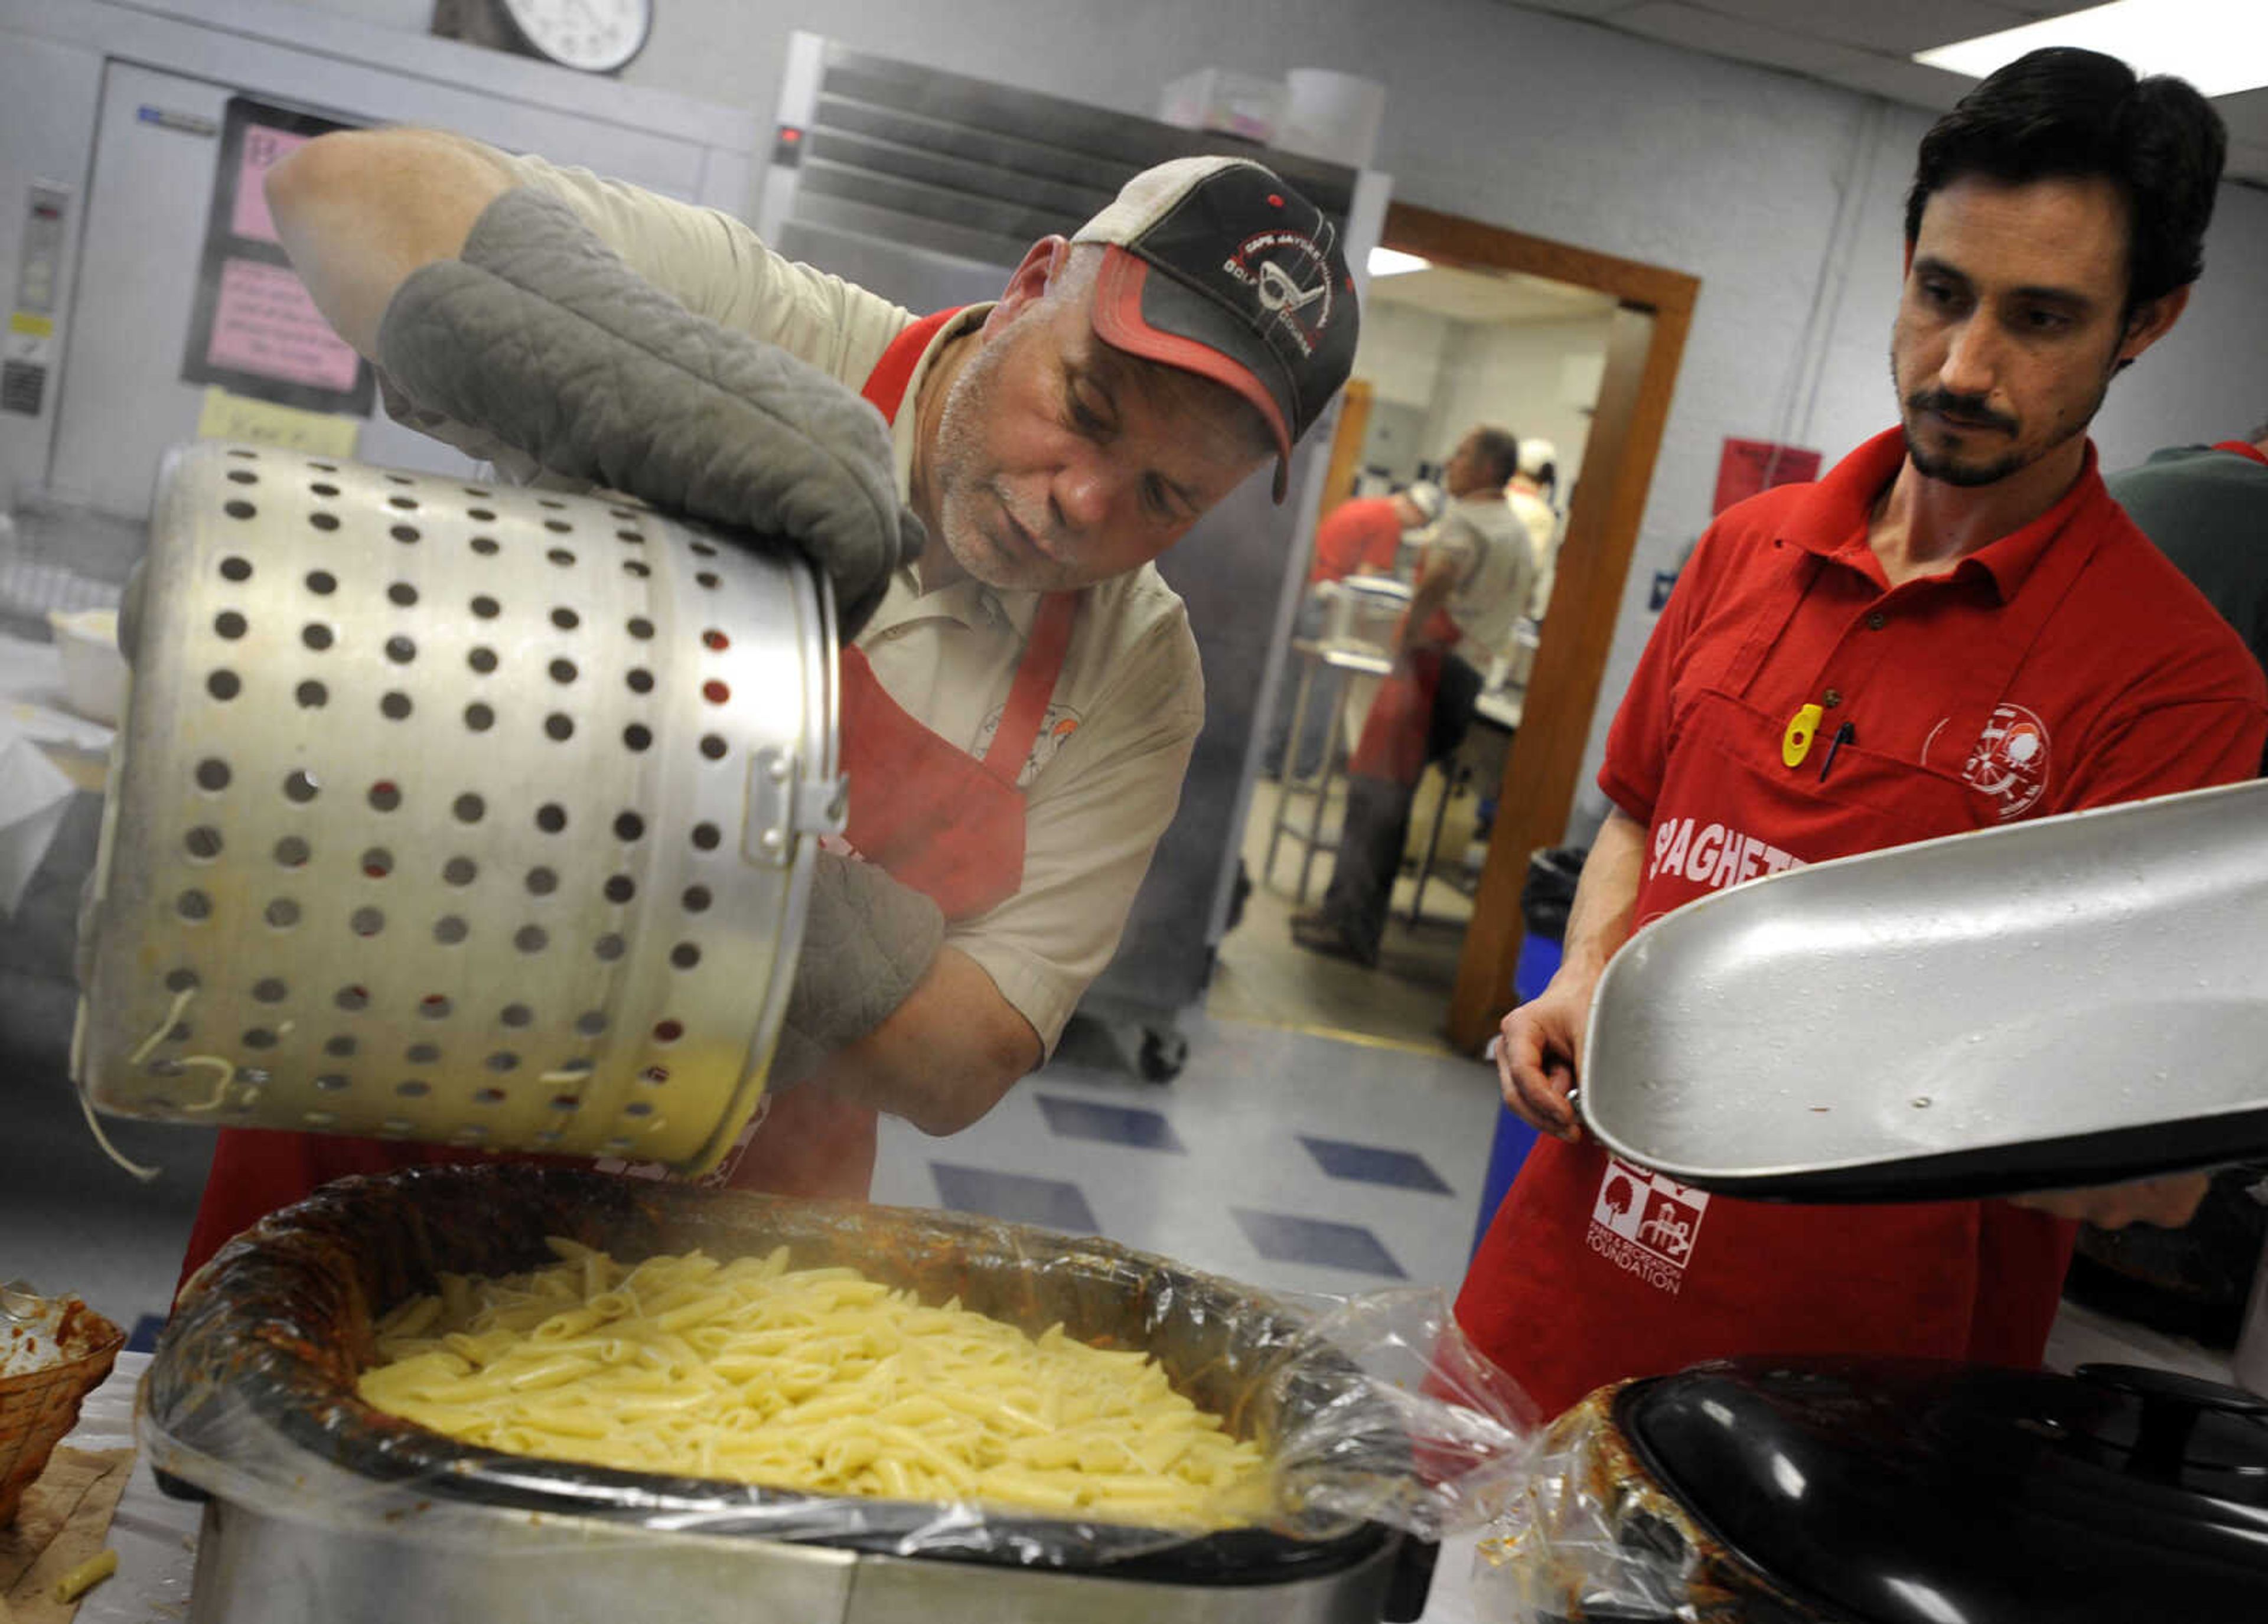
1921	1492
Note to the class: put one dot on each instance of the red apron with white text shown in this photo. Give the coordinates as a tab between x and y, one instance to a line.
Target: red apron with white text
1593	1270
929	813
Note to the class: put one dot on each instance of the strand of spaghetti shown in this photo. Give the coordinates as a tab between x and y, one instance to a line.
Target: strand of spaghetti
109	1150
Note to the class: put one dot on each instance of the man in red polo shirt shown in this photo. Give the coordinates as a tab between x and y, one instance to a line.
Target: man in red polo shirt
1956	628
1364	533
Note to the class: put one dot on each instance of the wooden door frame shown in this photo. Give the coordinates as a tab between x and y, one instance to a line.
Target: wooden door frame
1646	344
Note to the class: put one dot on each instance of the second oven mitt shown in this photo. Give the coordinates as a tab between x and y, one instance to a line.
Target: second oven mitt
539	333
867	942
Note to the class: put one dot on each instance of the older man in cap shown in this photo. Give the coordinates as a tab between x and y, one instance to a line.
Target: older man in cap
1023	693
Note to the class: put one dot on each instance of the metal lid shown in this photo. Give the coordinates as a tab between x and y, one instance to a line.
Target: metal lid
1919	1492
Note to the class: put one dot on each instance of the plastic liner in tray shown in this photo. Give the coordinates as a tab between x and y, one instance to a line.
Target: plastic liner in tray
1376	1416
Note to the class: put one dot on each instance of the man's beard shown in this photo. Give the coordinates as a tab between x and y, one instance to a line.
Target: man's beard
1946	467
967	486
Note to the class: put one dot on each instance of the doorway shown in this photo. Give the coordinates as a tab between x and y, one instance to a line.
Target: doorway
1564	347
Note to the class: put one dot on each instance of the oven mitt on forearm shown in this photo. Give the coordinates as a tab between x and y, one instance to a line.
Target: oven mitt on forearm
867	942
540	334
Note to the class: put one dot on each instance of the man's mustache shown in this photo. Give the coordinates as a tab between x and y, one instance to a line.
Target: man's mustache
1971	410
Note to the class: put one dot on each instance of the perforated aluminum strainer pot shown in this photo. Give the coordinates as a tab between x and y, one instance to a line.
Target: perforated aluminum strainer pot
450	813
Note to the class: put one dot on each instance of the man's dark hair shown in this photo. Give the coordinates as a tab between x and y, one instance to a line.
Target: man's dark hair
1499	450
2069	113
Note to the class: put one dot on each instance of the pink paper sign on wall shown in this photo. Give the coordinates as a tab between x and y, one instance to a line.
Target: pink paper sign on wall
264	323
263	149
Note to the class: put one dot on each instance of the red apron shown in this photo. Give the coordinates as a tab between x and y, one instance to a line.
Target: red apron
929	813
1593	1270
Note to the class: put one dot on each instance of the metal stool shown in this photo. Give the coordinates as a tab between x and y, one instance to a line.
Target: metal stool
1340	661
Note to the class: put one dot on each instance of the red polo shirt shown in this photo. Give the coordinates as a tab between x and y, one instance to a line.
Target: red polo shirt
2065	664
1362	533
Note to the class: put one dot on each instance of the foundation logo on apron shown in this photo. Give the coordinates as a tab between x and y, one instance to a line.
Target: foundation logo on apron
1646	1223
2009	765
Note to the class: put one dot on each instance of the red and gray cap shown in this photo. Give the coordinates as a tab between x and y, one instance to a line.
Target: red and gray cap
1215	266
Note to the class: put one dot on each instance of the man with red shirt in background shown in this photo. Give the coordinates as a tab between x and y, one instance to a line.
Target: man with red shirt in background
1956	628
1363	534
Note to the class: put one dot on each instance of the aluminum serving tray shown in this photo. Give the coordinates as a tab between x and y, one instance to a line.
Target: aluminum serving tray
325	1508
2074	1001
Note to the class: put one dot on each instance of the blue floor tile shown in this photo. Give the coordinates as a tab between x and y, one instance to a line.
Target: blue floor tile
1048	1202
1084	1119
1282	1238
1369	1164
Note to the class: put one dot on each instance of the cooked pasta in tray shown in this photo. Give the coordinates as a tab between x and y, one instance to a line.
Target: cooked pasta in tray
815	1379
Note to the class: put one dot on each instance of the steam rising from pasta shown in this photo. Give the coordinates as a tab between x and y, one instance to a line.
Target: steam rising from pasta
815	1379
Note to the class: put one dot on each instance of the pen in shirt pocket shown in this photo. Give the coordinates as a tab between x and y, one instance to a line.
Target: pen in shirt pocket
1843	735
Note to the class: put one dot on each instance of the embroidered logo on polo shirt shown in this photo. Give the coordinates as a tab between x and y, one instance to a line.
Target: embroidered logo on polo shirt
2010	762
1646	1223
1056	730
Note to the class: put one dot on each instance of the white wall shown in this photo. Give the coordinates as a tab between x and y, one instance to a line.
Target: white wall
1400	352
1524	376
1779	193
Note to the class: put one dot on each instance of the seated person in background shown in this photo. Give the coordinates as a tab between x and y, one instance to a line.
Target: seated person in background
1472	586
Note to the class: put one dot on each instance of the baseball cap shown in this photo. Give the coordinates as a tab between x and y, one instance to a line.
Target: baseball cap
1536	455
1425	497
1215	266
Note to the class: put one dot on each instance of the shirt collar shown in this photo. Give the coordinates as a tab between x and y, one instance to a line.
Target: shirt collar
1830	519
903	430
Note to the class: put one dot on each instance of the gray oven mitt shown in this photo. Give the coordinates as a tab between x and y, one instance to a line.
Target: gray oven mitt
867	942
541	334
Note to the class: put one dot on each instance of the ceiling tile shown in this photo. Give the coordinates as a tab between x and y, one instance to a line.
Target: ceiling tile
1901	29
1731	36
1897	79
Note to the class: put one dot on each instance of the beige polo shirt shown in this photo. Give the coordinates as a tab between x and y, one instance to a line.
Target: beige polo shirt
1104	779
1495	568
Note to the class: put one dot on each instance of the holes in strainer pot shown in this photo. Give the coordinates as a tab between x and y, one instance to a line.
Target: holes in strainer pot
322	582
203	843
654	1077
351	998
696	899
450	929
212	774
311	695
317	635
503	1059
488	1096
562	557
181	981
481	515
559	526
408	504
235	570
323	521
609	947
270	989
470	808
487	607
631	536
485	546
715	641
591	1023
668	1031
404	534
282	911
385	796
324	488
299	788
541	882
638	1107
629	827
422	1054
531	938
238	509
193	905
708	578
635	569
516	1015
249	455
640	680
715	692
713	746
639	626
400	649
562	670
685	955
637	736
394	706
565	619
559	727
223	684
400	479
332	1081
229	624
482	660
402	595
479	717
340	1047
706	836
413	1088
434	1006
377	863
292	852
243	476
704	549
366	921
619	888
551	817
460	871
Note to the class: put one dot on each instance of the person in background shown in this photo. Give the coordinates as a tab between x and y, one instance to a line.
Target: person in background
1363	534
2206	507
1956	629
1472	585
1019	698
1532	491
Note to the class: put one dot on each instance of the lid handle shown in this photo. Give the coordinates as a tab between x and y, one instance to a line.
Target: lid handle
2171	1407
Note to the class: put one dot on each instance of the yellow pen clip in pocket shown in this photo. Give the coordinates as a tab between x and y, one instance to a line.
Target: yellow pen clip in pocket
1795	744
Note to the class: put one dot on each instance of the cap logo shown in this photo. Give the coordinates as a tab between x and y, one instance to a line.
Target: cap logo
1290	274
